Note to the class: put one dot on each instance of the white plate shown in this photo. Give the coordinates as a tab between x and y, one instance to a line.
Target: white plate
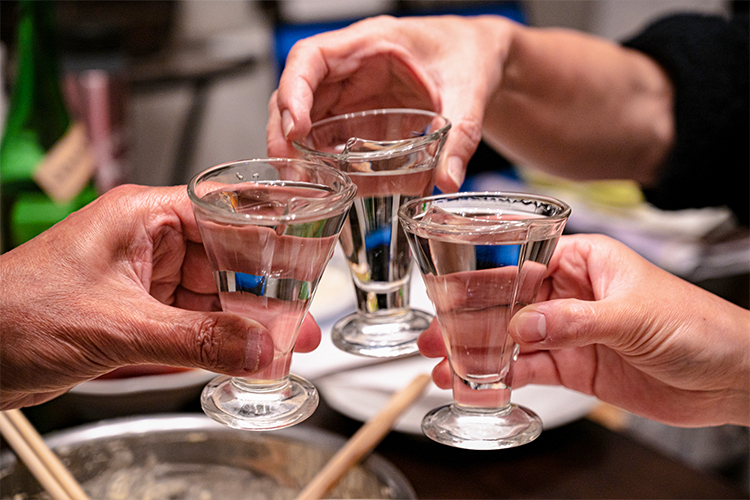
361	393
109	398
118	387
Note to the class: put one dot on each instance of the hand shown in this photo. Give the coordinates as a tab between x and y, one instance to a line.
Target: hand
123	281
387	62
610	324
542	97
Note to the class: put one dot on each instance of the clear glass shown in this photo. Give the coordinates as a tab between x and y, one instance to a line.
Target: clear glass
482	256
391	155
269	227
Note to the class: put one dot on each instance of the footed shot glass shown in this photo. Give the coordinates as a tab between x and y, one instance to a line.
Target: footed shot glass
390	155
482	256
269	227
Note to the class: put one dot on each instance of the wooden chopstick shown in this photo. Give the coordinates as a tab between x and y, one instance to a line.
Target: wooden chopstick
364	440
43	464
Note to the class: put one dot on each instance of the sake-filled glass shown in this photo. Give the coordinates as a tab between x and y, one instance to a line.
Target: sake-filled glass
391	155
482	256
269	227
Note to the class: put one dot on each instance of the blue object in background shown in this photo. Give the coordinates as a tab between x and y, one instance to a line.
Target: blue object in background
492	256
380	237
250	283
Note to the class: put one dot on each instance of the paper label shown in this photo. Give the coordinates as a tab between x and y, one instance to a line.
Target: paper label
67	167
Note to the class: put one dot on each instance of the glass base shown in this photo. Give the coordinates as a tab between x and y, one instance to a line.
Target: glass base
380	338
225	400
482	429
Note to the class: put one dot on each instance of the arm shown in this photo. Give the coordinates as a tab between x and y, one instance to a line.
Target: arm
581	107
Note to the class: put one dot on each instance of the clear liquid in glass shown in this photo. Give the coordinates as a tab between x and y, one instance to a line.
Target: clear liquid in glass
268	245
269	273
374	243
476	284
391	156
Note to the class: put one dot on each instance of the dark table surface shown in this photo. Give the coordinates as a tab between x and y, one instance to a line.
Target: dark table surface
579	460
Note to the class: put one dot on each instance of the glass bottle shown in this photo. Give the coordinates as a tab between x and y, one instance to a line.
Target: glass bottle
46	163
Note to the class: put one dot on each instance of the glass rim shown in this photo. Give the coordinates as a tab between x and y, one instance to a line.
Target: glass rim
410	222
344	197
398	147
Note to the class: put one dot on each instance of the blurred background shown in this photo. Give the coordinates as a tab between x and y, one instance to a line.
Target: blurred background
189	84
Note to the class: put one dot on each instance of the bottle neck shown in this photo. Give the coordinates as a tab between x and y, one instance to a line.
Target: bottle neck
37	113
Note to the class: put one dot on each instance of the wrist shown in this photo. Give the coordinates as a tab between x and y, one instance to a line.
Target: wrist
740	410
737	338
743	406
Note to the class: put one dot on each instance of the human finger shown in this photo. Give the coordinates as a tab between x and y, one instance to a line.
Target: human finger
463	139
565	323
215	341
464	96
183	298
304	69
196	270
442	375
573	368
277	144
309	335
366	65
430	341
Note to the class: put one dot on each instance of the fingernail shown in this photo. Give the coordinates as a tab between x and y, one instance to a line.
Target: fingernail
456	170
287	122
531	326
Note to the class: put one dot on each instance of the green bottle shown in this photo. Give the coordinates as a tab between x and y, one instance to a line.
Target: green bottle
45	161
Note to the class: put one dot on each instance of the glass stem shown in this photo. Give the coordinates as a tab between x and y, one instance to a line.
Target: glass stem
375	300
480	397
264	386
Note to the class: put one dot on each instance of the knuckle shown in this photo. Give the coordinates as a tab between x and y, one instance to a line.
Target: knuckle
471	130
123	191
208	346
376	23
573	326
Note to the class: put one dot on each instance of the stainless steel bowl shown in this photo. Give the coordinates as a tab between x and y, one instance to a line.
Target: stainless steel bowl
190	457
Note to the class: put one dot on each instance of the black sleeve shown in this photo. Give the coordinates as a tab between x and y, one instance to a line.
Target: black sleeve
707	58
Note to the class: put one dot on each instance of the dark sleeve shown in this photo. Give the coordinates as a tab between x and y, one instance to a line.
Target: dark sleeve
707	58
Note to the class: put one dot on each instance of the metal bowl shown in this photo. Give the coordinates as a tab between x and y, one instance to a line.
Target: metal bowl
190	457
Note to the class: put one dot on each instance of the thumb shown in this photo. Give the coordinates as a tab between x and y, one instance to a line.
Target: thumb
216	341
570	323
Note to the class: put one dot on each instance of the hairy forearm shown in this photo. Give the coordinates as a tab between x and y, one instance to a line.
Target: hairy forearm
581	107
